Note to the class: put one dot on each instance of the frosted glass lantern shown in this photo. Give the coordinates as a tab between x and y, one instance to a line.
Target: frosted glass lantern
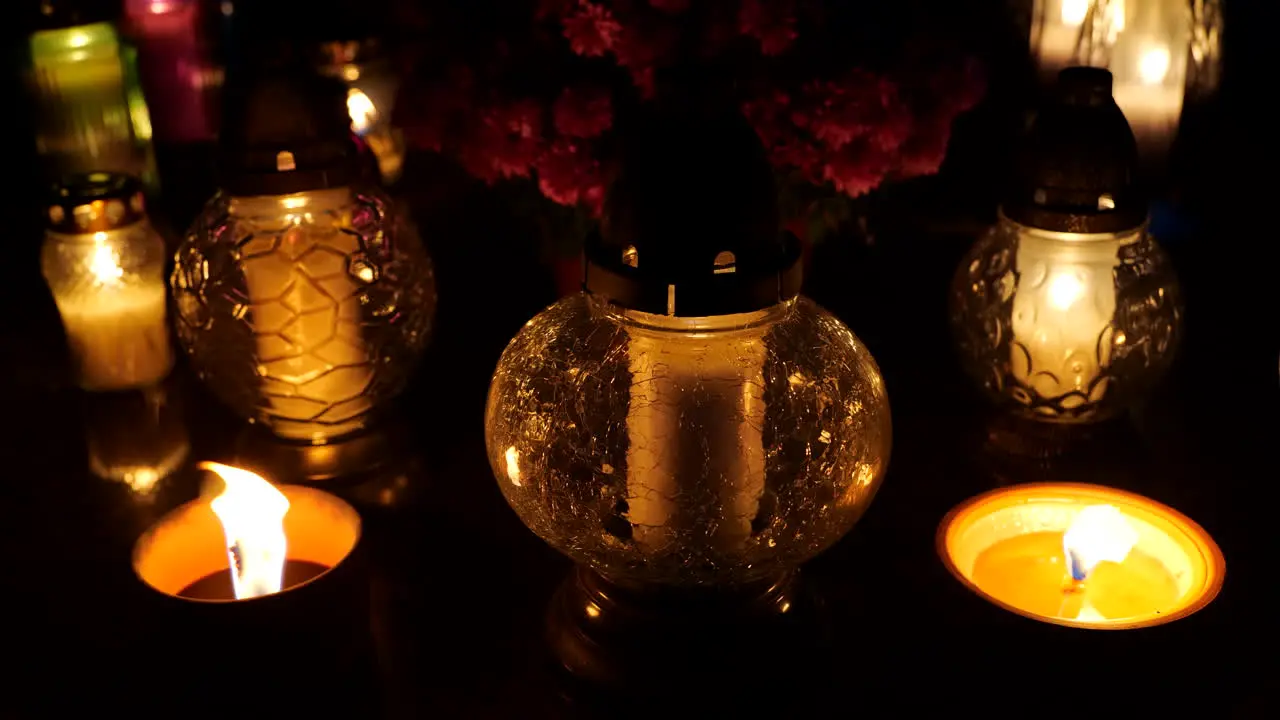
1067	310
1145	44
105	266
304	299
689	420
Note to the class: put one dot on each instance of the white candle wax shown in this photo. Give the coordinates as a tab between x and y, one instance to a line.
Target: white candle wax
695	428
1062	312
119	336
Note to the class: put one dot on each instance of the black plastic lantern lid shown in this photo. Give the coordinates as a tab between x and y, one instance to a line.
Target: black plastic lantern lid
95	202
286	130
690	224
1077	169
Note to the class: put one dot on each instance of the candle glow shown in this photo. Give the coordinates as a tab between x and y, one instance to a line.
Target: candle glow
1081	556
252	512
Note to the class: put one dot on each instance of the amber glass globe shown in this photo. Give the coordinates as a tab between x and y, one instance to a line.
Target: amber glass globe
687	450
304	311
304	298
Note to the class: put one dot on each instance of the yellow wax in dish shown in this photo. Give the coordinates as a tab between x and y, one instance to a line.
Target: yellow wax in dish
1136	562
1029	572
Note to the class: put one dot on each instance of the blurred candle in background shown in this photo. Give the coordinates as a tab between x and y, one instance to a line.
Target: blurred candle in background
88	106
1144	43
371	92
176	68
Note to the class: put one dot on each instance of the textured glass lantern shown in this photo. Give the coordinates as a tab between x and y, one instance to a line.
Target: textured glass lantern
1068	310
105	266
1146	44
304	299
371	94
89	111
689	421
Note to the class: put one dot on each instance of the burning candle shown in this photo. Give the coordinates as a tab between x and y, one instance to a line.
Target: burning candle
105	266
1081	555
252	540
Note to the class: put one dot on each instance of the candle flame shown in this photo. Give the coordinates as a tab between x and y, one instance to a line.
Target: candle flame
513	465
1099	532
1064	289
363	113
252	512
105	263
1073	11
1154	65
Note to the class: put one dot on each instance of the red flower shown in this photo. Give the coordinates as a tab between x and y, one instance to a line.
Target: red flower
583	112
670	6
857	168
428	114
506	142
924	153
767	115
592	30
640	48
569	175
773	24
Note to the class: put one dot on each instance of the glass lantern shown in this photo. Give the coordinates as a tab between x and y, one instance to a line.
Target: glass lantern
88	104
1144	43
105	266
689	421
1067	310
371	93
304	299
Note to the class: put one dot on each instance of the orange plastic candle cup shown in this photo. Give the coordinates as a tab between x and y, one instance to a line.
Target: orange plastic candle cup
1008	547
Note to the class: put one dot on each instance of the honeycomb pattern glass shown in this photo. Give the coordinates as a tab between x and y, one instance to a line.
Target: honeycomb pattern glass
1065	327
304	311
687	451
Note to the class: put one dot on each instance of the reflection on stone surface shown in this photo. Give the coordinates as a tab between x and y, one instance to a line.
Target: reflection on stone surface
137	438
376	469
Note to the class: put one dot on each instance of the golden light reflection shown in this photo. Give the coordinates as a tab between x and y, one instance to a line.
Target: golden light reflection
1154	65
513	465
252	512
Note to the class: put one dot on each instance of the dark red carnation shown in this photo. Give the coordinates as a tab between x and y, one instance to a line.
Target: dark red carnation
569	175
857	168
923	154
670	6
772	23
583	112
591	29
505	143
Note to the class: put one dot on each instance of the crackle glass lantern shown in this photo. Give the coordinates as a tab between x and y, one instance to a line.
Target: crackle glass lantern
304	300
371	93
1067	309
689	420
104	264
1146	44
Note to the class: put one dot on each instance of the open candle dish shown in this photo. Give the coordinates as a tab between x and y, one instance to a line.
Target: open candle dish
1081	555
185	554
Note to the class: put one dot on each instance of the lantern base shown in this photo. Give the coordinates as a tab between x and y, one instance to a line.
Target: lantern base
284	461
1026	439
639	644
